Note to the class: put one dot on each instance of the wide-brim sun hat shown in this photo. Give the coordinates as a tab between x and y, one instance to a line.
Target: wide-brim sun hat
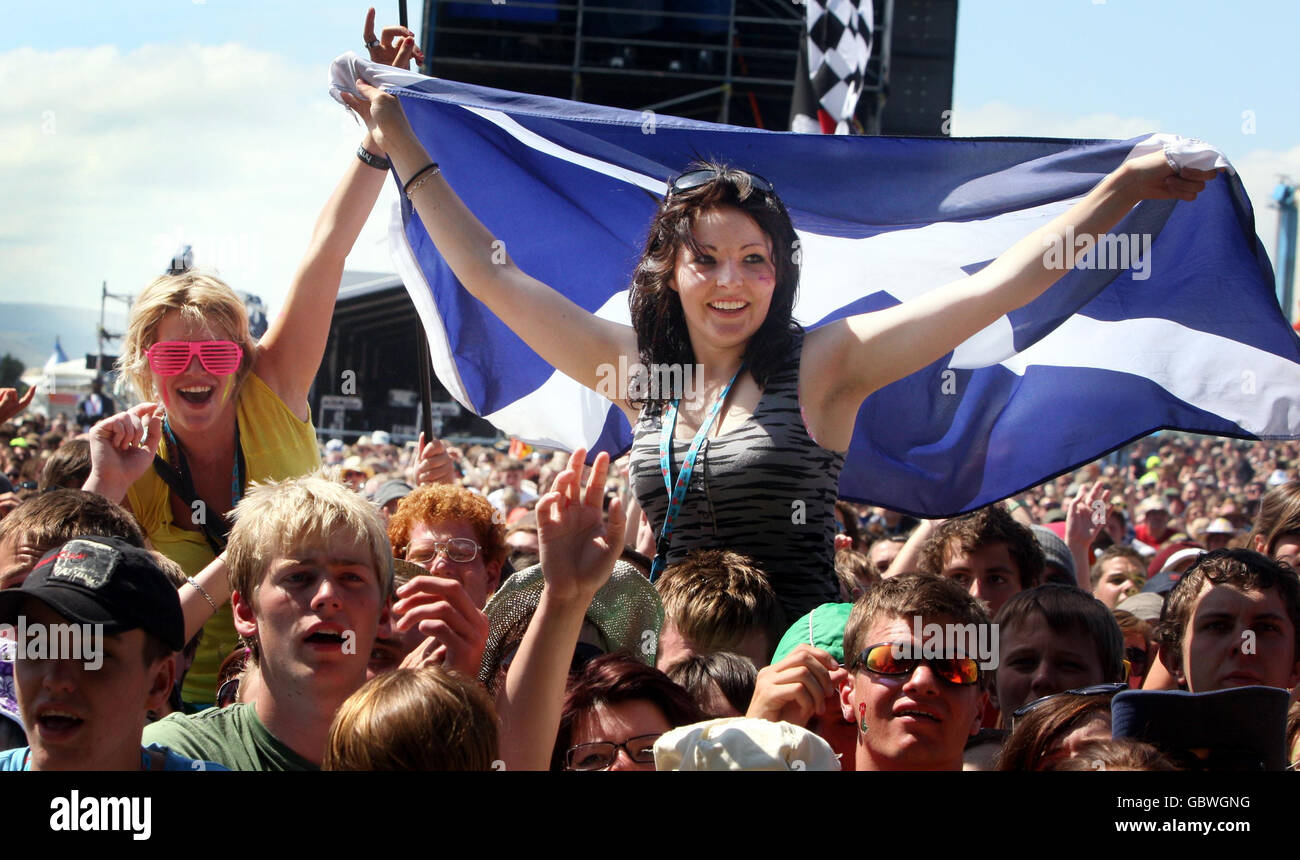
626	613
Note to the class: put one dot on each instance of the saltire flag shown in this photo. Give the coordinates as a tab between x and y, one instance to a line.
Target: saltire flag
1179	328
832	65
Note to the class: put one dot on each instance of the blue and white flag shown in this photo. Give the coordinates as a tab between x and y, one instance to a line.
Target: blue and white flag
1172	322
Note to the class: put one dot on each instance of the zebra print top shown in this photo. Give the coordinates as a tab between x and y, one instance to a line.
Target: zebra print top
764	489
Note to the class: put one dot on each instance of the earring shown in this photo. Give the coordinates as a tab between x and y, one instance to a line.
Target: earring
862	716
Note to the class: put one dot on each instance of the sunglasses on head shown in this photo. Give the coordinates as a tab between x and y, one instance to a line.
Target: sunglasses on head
218	357
885	659
693	179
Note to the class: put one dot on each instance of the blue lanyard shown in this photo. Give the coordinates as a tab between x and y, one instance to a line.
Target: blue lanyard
677	491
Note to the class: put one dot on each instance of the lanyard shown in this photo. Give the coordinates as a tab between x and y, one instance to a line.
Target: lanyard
236	470
677	491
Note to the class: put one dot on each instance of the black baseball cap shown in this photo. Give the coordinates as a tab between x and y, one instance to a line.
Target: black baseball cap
103	580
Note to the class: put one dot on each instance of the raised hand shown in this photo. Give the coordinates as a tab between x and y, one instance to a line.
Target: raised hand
577	547
433	464
1085	514
395	46
1151	177
457	630
11	404
381	111
122	447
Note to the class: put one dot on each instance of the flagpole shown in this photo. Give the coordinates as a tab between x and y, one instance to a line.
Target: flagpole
426	386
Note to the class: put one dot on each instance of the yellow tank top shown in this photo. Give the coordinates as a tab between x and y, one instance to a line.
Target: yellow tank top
276	446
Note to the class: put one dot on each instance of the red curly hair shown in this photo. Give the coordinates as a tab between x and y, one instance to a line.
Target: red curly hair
442	503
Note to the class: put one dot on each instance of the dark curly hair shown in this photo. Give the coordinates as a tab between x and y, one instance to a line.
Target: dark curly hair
657	316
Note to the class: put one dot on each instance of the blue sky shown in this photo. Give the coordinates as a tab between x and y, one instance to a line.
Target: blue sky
128	125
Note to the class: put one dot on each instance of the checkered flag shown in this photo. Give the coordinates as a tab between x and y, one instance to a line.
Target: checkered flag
832	64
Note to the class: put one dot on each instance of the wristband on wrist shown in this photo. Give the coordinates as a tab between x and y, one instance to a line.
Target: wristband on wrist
422	176
194	582
370	159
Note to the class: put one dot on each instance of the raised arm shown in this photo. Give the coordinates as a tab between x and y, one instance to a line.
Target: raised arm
578	552
860	354
291	351
569	338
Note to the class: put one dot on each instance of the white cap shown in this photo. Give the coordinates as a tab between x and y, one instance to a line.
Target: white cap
743	743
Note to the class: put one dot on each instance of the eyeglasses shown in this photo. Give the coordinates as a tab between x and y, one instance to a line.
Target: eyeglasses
693	179
456	549
601	754
1094	690
218	357
886	659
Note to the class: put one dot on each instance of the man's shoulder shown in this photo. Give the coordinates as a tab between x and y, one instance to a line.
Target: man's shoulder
207	719
232	736
173	760
207	735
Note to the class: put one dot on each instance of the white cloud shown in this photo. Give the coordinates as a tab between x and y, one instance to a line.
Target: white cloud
109	159
998	119
1259	168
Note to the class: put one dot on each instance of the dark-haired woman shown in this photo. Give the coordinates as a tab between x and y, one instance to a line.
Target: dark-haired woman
614	711
750	458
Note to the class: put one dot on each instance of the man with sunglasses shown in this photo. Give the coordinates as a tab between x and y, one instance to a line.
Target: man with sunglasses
912	709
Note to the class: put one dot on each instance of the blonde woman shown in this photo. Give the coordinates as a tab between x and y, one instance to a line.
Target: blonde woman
222	411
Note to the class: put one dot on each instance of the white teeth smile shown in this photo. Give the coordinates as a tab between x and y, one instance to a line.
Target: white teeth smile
728	306
53	713
197	389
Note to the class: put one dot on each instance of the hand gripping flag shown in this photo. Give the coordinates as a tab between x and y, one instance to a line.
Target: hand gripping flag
1170	322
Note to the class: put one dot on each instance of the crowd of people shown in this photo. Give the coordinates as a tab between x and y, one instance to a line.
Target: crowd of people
438	606
199	582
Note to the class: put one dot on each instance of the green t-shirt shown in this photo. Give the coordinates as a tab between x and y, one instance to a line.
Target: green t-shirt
233	736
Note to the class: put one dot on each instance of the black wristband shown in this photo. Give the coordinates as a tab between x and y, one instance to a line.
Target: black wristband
369	158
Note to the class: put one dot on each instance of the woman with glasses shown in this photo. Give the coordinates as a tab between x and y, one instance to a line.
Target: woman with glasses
223	410
713	294
614	711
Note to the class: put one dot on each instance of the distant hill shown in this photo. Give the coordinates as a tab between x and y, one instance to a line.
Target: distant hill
27	331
